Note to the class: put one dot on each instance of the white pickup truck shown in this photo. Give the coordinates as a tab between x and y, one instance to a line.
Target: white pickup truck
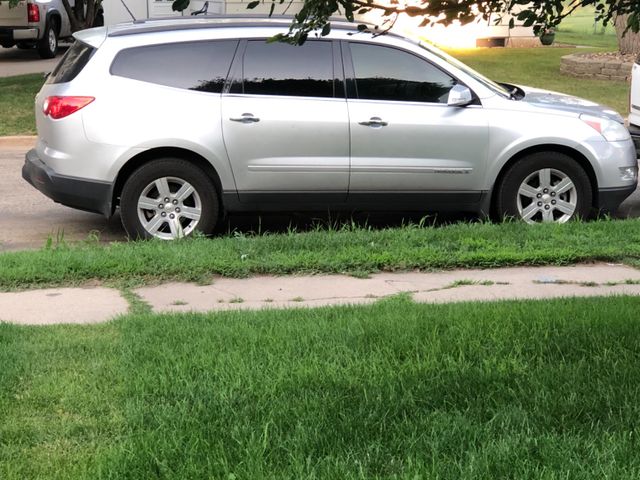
634	105
34	24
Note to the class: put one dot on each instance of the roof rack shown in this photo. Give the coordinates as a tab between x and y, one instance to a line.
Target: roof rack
151	25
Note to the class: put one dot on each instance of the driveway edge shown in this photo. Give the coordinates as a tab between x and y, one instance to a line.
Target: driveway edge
18	141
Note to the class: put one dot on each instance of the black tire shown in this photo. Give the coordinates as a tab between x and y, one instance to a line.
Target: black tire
99	20
177	172
545	203
48	44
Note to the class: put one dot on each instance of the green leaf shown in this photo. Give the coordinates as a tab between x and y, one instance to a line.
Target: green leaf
179	5
326	30
253	4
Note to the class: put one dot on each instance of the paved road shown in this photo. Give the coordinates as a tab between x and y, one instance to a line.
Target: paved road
29	218
14	61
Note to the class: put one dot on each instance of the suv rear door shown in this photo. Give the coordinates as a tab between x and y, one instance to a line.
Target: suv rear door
285	124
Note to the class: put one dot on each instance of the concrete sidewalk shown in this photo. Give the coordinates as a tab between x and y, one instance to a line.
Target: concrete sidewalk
98	304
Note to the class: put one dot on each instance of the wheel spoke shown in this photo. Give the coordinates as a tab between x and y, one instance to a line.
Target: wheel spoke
545	178
147	203
176	228
154	224
527	191
163	187
563	186
565	207
547	216
191	212
529	212
185	191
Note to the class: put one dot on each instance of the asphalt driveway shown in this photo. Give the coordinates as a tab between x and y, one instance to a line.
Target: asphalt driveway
14	61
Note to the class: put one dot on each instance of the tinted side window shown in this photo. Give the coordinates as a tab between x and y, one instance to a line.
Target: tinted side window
283	69
201	66
384	73
71	63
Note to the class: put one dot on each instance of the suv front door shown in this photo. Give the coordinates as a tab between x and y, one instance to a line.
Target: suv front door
406	142
285	124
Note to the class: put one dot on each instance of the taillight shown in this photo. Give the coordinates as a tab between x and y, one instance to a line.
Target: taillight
33	13
60	107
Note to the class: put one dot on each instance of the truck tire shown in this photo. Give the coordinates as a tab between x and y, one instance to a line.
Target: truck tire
48	44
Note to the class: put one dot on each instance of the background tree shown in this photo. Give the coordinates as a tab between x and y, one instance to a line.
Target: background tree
629	42
541	14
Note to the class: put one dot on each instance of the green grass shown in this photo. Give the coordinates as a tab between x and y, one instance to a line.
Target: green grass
580	29
17	95
352	249
540	67
524	390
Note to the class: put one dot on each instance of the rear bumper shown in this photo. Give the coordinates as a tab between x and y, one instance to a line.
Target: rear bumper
92	196
17	34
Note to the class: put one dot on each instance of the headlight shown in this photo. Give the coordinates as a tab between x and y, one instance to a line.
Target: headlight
611	130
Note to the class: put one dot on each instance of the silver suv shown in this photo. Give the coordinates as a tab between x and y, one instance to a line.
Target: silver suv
178	122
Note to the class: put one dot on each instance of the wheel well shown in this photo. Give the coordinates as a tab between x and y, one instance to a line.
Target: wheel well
570	152
57	21
149	155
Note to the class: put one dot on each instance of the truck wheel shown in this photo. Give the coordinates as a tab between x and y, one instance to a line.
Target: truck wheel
99	20
48	44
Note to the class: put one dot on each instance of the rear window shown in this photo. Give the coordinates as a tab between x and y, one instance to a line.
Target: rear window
71	63
201	66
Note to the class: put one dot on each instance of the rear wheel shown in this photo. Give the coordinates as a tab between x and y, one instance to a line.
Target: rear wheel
167	199
545	187
48	44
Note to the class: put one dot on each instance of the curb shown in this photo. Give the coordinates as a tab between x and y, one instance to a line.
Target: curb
18	141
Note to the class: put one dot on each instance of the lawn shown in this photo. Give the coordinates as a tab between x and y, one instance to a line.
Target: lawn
540	67
16	104
355	250
524	390
580	28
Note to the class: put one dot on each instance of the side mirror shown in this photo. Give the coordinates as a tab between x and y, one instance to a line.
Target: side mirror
459	96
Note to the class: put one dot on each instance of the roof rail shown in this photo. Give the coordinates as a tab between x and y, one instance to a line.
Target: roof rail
151	25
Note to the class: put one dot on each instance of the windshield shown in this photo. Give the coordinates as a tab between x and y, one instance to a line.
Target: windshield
496	87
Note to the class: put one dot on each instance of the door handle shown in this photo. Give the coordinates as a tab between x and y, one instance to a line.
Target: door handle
374	122
245	118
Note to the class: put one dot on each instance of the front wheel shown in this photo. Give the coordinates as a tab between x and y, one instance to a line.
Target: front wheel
167	199
547	187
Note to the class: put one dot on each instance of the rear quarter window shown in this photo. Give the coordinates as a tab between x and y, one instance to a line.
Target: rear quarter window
201	66
71	63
